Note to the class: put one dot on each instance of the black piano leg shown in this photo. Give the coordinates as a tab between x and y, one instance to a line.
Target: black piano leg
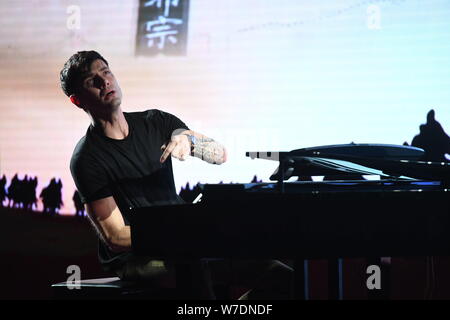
301	278
333	286
335	279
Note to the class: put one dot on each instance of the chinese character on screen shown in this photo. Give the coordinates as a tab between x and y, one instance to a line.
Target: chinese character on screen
162	27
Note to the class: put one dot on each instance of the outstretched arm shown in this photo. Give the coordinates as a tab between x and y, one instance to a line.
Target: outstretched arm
204	148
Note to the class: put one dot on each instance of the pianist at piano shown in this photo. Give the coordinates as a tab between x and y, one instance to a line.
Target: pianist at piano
124	162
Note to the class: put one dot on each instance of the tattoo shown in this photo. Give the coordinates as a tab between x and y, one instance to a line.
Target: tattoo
209	150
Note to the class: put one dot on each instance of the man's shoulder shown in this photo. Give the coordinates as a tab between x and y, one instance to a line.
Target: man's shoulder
82	148
146	114
154	116
85	157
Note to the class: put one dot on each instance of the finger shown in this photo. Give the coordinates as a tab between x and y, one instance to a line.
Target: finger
181	152
163	146
182	156
167	151
177	151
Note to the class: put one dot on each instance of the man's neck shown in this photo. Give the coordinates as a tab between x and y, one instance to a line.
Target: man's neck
113	125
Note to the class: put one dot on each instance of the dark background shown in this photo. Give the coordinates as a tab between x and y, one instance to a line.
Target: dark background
36	250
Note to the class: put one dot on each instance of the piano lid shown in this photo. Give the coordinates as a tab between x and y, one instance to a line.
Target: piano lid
365	150
394	161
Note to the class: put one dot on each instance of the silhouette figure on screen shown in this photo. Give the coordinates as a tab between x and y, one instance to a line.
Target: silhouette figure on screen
22	196
13	192
45	196
21	192
51	197
2	190
79	206
255	179
28	193
433	139
189	195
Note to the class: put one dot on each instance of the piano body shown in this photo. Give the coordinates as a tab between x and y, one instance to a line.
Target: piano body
406	212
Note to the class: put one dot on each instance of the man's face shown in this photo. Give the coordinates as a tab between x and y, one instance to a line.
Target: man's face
100	92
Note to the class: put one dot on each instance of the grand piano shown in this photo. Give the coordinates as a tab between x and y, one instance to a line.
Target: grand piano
373	201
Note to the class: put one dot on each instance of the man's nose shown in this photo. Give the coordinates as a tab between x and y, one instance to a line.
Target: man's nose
102	82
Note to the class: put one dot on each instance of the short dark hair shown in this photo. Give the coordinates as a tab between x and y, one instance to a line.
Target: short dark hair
74	69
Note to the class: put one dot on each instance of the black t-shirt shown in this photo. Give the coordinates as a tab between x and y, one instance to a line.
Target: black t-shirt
127	169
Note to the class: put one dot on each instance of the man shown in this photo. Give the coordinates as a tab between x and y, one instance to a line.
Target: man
124	161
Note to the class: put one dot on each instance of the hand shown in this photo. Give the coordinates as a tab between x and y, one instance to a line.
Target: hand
179	147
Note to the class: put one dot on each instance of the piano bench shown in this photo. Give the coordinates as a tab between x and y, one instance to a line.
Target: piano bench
110	288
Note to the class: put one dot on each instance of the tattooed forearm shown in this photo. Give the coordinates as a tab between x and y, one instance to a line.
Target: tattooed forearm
210	151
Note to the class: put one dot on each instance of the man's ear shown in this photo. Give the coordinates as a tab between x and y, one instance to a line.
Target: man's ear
74	99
